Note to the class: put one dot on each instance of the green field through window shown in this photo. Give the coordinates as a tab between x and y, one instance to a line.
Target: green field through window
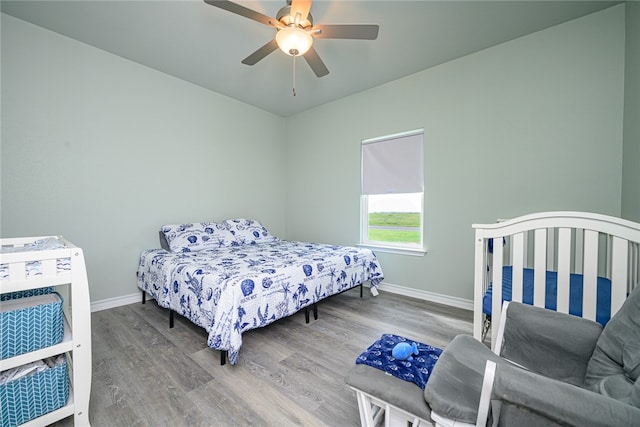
396	221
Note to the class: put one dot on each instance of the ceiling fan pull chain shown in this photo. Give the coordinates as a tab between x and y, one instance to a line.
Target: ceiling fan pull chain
294	75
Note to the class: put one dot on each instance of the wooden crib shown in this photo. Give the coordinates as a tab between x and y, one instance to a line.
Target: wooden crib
573	262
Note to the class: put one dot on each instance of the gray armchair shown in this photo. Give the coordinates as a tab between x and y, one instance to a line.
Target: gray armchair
549	369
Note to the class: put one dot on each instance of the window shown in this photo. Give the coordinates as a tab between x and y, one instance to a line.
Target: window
392	197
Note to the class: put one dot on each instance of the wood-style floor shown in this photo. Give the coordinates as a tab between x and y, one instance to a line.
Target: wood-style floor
289	372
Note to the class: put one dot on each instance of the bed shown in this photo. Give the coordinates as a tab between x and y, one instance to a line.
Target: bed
579	263
234	276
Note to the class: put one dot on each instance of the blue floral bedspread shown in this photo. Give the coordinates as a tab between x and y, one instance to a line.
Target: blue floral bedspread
230	290
417	370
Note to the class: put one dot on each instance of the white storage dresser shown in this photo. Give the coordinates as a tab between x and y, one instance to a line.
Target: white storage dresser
45	332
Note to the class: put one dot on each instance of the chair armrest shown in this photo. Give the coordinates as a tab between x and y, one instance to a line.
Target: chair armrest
550	343
519	394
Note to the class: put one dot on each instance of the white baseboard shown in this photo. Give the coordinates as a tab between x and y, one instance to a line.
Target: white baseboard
116	302
464	304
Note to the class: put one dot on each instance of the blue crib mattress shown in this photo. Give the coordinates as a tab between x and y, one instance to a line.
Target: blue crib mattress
603	302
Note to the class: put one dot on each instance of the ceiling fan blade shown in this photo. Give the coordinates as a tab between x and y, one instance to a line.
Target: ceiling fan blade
302	7
260	53
241	10
347	31
316	64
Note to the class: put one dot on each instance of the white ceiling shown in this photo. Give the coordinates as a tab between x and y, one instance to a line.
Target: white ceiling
202	44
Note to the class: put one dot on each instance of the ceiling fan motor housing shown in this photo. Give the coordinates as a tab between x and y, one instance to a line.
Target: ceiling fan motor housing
285	17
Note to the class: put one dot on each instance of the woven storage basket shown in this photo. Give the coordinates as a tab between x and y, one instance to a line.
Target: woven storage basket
34	395
31	328
27	293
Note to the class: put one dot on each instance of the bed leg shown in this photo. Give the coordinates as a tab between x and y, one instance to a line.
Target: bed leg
144	297
223	357
361	290
170	318
315	311
306	314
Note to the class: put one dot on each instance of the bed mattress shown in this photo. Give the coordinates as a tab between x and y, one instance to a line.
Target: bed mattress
230	290
603	304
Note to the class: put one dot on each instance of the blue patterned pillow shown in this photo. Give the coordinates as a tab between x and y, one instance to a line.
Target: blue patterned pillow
197	236
248	231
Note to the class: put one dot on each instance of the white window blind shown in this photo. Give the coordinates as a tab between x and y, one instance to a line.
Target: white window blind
393	165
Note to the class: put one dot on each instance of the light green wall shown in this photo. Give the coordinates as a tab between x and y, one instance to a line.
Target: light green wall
631	159
104	151
530	125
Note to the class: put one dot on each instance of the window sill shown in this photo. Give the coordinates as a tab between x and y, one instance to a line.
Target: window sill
394	250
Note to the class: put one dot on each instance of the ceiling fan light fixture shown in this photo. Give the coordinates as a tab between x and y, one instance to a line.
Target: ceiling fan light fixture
294	41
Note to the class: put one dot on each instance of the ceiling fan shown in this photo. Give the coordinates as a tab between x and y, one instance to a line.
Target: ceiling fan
296	32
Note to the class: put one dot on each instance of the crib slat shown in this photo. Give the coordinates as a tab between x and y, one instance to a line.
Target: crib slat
590	274
564	269
480	284
634	265
619	273
517	243
17	271
49	267
539	266
496	293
